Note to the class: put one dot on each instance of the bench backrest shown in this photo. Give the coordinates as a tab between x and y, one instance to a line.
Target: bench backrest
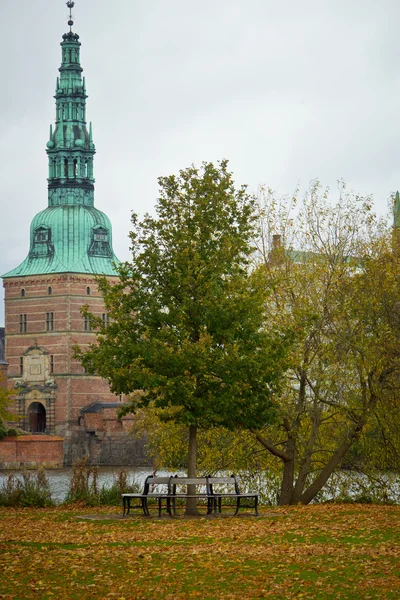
156	484
185	481
222	482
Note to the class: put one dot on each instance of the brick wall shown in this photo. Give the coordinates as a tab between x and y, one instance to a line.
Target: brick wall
62	295
48	378
31	452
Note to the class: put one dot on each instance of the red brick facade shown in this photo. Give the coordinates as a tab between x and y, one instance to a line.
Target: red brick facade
43	323
31	452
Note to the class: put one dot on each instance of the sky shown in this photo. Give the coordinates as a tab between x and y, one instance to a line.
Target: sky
286	91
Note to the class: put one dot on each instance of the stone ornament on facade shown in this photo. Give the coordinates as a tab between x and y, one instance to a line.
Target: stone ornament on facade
20	384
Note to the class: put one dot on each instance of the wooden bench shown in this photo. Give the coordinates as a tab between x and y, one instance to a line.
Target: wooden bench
167	490
176	487
217	494
154	487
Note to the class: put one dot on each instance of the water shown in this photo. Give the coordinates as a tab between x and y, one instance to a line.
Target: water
59	479
354	484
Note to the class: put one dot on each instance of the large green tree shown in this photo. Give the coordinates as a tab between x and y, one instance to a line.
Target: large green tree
188	324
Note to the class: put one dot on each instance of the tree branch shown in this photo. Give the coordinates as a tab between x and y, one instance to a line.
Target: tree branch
270	446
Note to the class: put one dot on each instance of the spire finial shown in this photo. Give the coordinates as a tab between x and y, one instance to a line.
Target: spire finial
70	5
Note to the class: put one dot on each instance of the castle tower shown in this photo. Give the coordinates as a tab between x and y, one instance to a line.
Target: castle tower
70	243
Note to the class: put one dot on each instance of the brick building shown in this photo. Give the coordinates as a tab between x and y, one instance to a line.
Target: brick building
70	243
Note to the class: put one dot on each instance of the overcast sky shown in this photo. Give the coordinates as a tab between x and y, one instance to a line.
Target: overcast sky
287	91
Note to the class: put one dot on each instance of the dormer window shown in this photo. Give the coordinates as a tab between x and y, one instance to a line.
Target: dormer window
100	243
100	235
42	234
42	244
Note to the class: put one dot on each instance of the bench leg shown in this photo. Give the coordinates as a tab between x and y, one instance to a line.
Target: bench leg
160	506
145	507
169	507
256	505
215	506
211	505
237	506
173	508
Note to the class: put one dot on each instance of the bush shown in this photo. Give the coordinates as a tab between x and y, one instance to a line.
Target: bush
84	488
12	432
3	429
112	495
26	489
83	484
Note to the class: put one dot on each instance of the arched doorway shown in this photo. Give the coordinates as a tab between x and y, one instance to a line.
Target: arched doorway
37	417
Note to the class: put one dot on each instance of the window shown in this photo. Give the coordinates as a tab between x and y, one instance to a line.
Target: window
49	321
106	319
100	242
23	293
23	323
41	234
86	324
51	363
88	291
49	291
21	365
42	244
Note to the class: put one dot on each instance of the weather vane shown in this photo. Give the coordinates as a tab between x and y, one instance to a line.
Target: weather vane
70	6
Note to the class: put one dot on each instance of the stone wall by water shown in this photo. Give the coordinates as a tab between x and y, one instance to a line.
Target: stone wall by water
106	449
31	451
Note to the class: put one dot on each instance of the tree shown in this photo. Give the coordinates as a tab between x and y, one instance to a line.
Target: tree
188	321
6	398
336	283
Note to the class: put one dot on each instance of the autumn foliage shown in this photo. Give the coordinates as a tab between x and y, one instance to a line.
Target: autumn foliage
315	552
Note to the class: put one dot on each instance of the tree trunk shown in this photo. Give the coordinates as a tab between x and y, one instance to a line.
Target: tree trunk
305	465
352	435
191	505
286	493
332	464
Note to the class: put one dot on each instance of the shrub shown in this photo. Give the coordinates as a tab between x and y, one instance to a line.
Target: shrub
83	484
12	432
84	488
112	495
26	489
3	429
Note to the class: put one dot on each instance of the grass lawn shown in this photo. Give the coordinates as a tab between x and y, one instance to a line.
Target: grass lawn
319	552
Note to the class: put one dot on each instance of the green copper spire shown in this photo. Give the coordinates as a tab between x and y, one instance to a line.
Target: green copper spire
70	148
70	235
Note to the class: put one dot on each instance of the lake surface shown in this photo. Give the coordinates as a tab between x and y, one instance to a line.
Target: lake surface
59	479
354	484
